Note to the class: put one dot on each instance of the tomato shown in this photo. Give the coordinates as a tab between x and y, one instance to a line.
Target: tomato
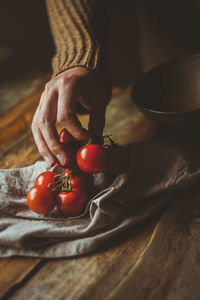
65	137
71	203
40	199
45	179
81	179
92	158
70	145
119	160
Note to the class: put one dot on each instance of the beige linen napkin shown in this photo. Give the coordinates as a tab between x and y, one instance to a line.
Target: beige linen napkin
158	171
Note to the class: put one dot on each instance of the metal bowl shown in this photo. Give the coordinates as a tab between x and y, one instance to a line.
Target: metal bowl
170	93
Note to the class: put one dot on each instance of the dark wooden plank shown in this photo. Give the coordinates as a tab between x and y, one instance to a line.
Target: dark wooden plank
14	271
16	89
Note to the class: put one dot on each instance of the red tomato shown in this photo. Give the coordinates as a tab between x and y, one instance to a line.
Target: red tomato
45	178
65	137
71	203
92	158
119	160
40	199
81	179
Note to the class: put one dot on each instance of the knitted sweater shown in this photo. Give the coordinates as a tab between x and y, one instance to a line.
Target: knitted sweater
78	40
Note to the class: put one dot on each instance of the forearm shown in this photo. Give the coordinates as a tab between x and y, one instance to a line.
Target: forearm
74	31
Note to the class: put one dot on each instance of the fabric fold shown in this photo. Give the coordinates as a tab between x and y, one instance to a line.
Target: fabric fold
158	173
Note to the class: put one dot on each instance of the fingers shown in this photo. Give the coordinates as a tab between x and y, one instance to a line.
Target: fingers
42	147
97	120
67	116
50	135
57	103
44	130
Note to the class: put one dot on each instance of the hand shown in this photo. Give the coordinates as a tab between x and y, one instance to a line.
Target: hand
57	103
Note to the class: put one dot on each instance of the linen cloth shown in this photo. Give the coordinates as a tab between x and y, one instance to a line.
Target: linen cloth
158	172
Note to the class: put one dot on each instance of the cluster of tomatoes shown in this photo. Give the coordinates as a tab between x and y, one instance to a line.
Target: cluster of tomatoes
69	190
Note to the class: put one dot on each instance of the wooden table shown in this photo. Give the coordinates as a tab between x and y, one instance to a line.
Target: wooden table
115	272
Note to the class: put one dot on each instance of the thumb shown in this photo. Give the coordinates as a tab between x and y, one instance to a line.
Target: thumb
66	115
73	125
97	121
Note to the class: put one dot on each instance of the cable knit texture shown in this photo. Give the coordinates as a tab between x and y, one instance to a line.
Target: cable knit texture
73	27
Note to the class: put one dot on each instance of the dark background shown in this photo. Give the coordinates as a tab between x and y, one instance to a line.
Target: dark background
141	35
24	30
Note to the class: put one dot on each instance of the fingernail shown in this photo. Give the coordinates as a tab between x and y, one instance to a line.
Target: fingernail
49	162
61	159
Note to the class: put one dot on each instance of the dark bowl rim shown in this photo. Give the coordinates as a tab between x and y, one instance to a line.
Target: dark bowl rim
171	113
174	61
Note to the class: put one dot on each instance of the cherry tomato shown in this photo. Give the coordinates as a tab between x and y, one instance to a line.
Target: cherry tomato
92	158
119	160
71	203
40	199
65	137
45	179
81	179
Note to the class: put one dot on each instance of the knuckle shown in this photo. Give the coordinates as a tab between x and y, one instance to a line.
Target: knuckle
42	152
33	126
67	80
34	123
44	120
42	95
41	122
65	117
54	147
61	118
41	149
48	85
63	81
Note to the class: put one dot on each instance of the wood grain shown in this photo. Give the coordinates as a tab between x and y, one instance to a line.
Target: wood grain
90	277
16	150
83	276
169	261
16	89
158	260
14	271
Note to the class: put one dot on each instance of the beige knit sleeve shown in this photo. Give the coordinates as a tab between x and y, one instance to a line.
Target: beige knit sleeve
73	27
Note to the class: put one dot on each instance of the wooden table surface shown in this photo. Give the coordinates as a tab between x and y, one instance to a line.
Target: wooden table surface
110	273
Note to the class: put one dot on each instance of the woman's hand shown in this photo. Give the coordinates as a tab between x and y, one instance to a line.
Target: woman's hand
57	103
